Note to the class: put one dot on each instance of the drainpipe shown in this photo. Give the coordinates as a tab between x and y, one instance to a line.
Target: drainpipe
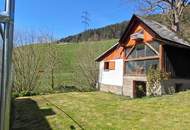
6	19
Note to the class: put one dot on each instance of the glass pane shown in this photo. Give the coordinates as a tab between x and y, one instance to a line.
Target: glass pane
135	67
155	45
152	64
133	54
106	65
130	67
127	51
140	50
150	52
140	67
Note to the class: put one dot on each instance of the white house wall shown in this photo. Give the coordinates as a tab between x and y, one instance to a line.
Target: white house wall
112	77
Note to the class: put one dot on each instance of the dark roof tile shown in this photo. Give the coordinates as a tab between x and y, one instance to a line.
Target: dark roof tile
163	31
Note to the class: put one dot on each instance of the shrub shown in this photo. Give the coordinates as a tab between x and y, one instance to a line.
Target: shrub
24	93
154	78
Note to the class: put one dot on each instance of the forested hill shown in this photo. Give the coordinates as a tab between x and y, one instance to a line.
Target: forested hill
114	31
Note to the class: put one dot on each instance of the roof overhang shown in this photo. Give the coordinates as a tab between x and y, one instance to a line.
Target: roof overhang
100	57
172	43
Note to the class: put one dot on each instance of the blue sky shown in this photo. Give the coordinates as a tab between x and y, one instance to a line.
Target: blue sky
63	17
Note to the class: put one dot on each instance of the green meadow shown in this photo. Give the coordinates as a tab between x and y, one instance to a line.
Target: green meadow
102	111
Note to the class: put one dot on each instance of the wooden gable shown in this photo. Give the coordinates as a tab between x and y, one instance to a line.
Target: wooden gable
148	35
117	53
134	26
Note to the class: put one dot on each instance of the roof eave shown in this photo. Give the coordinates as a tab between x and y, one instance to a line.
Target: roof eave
127	28
176	44
100	57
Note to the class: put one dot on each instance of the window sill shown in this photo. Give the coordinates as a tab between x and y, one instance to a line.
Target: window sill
141	75
107	70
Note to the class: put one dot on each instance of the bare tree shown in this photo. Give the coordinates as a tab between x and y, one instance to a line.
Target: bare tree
34	57
86	73
173	9
26	62
53	59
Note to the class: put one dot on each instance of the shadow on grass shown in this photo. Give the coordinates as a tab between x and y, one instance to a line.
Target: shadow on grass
71	88
29	116
67	88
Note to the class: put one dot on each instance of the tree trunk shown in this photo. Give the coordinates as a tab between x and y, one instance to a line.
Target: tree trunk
176	24
52	79
175	27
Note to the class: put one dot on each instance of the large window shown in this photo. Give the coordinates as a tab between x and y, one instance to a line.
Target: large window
141	50
140	67
142	57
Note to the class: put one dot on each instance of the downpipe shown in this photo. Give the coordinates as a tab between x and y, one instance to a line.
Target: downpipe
5	88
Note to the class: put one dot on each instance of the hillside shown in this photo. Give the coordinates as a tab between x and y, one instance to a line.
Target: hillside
69	55
102	111
116	30
105	33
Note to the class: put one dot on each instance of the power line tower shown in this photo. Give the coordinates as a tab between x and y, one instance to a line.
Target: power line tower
6	45
86	20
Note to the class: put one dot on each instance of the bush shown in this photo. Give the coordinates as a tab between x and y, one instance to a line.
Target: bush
154	77
24	93
65	88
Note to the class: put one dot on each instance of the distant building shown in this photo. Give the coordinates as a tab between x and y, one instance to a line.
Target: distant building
145	43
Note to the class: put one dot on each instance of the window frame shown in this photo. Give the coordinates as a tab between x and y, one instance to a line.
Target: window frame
144	67
106	65
144	58
109	65
145	46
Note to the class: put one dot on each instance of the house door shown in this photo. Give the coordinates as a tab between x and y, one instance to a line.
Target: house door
139	89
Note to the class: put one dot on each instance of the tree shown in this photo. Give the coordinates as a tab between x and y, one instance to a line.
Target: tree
86	73
51	58
27	62
173	9
53	61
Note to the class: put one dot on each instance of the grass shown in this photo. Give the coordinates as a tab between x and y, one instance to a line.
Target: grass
103	111
68	56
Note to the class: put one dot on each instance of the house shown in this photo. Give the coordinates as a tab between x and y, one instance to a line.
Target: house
144	44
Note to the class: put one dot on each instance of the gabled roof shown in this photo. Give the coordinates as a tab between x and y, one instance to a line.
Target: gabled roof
106	52
161	32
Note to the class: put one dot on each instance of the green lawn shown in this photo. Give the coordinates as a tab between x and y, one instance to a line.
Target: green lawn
102	111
